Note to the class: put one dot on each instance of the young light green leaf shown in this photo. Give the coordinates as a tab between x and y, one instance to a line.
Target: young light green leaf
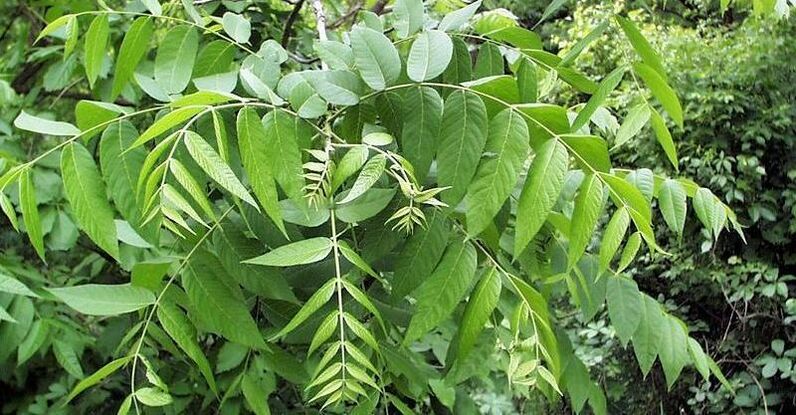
134	47
72	33
104	300
462	139
422	113
409	15
629	252
370	173
237	27
507	145
360	331
607	85
85	191
588	207
590	151
456	19
710	211
12	285
613	236
641	45
672	202
165	123
664	138
352	161
430	54
253	151
154	397
27	122
55	25
662	91
30	212
540	193
212	164
353	257
96	47
175	59
97	376
443	289
323	332
624	303
376	58
182	331
312	305
480	306
636	119
301	252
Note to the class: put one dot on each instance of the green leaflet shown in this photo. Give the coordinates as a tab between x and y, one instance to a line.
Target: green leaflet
630	251
420	256
153	397
443	289
12	285
175	59
647	337
458	18
212	164
635	120
218	301
422	113
97	377
285	136
91	116
214	58
540	193
624	193
581	44
507	148
710	211
641	45
370	173
489	61
673	349
30	212
527	83
624	303
673	206
613	236
104	300
588	207
165	123
352	161
430	54
28	122
189	183
590	151
664	138
460	68
366	206
120	167
607	85
66	356
8	210
336	54
409	16
375	57
253	151
463	135
644	181
182	331
662	91
237	27
85	191
133	48
301	252
96	47
312	305
480	306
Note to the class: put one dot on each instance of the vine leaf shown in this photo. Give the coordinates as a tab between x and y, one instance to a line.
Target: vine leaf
443	289
85	191
301	252
507	148
540	193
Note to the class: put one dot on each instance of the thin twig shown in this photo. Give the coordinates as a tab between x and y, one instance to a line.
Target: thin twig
288	32
348	15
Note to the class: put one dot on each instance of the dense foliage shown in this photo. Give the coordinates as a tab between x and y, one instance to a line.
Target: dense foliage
418	209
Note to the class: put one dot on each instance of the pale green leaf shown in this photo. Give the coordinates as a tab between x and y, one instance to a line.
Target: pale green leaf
352	161
664	138
237	27
30	212
422	114
624	306
662	91
153	397
370	173
66	356
673	349
336	54
95	47
629	252
212	164
672	202
430	54
409	15
613	236
301	252
97	376
588	207
28	122
375	57
647	338
590	151
134	47
607	85
11	285
641	45
456	19
635	120
175	59
104	300
480	306
165	123
312	305
699	358
285	136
